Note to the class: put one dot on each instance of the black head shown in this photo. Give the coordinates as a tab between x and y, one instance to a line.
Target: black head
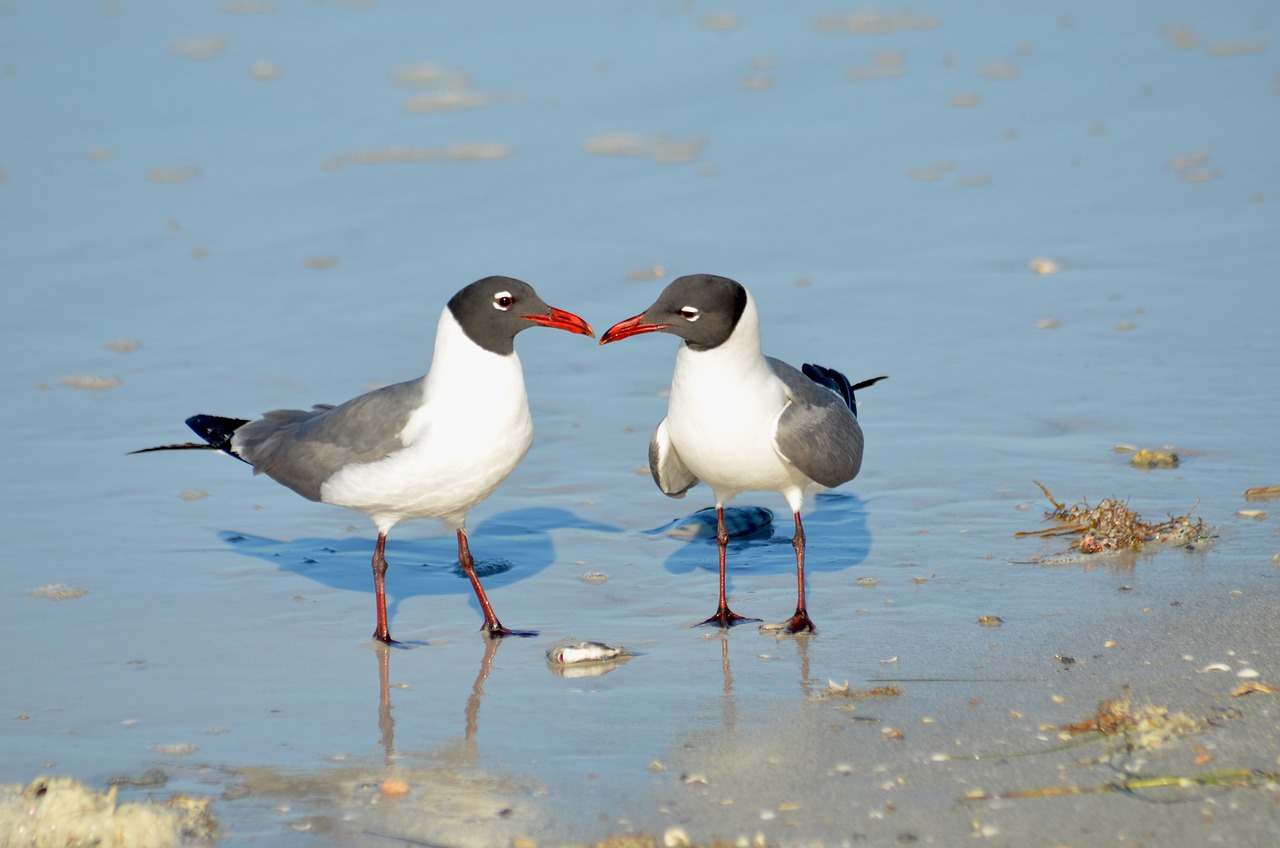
491	311
702	309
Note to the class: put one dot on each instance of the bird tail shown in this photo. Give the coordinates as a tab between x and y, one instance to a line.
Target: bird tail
215	430
832	379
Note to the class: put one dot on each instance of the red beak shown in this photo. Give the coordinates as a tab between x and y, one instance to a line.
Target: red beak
630	327
561	320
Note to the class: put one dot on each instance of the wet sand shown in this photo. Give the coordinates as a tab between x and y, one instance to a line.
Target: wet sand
1054	232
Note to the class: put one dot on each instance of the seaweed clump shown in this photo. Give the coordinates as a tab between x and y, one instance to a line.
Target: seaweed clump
1111	526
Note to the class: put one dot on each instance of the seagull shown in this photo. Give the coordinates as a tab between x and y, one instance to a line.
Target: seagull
741	421
433	447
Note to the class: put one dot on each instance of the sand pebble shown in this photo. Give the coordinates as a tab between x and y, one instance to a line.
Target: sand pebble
594	578
1048	324
193	494
1044	266
695	779
1248	673
393	786
58	592
1215	667
1256	514
123	345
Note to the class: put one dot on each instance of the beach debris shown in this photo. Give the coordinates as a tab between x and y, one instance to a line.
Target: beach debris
90	382
652	272
572	651
63	811
1147	459
1044	266
1262	493
393	787
875	22
990	620
1243	777
660	148
1255	514
843	690
1141	729
123	345
1112	527
566	653
1249	687
58	592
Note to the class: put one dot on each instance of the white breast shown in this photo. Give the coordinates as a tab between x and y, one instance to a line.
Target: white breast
720	417
470	433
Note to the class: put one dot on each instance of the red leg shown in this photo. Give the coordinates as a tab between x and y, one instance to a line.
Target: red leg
799	622
724	616
491	623
381	633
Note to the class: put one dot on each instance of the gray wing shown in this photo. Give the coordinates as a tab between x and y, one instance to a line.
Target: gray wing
815	431
669	471
301	449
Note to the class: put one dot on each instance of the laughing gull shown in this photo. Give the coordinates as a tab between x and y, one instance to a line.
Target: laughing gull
741	421
433	447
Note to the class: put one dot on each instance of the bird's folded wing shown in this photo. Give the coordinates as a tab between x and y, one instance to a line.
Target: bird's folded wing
815	431
303	448
669	471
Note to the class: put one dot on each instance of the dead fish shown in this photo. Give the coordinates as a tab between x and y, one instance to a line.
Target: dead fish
739	521
571	652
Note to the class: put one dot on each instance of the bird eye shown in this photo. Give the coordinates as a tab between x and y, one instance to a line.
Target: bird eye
690	313
503	300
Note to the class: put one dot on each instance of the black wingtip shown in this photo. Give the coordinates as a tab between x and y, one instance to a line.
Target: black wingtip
216	430
835	381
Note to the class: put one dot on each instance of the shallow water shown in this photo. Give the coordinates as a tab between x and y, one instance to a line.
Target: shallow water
222	222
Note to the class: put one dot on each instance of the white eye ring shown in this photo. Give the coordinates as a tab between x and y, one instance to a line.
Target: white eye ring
502	301
690	313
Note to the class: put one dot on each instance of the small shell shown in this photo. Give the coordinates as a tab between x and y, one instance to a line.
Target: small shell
1215	667
568	653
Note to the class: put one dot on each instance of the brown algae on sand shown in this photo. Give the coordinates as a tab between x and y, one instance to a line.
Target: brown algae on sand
1139	729
1111	526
